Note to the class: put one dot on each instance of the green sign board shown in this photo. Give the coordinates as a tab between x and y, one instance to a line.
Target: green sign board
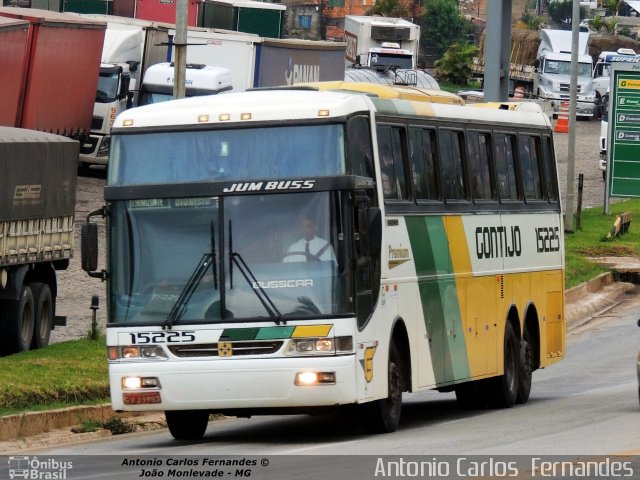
624	131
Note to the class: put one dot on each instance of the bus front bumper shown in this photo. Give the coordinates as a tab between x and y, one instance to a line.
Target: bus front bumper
233	384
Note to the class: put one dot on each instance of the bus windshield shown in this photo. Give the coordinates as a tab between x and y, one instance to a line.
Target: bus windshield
187	156
230	259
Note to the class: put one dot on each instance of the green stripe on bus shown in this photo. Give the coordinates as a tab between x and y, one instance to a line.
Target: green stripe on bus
235	334
273	333
439	298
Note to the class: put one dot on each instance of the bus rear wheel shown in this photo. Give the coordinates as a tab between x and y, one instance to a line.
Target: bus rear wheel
503	390
383	416
526	368
187	424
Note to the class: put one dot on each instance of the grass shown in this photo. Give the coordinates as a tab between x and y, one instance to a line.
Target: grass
455	88
75	372
590	241
63	374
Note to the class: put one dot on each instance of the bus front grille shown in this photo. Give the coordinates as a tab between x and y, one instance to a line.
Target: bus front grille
230	349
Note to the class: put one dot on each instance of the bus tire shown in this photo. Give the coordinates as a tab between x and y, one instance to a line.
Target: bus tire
43	315
526	368
18	323
504	389
187	424
383	416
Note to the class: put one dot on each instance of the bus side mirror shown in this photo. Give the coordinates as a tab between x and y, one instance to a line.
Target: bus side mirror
375	231
89	247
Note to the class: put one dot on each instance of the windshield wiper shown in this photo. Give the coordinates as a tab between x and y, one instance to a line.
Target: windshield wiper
187	292
265	300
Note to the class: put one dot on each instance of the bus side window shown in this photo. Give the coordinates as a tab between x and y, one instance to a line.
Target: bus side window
479	155
359	147
549	169
391	163
451	164
505	167
530	167
422	156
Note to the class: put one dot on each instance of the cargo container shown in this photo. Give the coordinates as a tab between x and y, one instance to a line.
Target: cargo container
59	73
37	207
155	10
264	19
266	62
14	36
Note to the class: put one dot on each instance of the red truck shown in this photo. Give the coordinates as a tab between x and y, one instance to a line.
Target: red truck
155	10
50	67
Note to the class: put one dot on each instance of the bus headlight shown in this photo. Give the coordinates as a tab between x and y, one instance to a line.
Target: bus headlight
133	383
133	352
320	346
315	378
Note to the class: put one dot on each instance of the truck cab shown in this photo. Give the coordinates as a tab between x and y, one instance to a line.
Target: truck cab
553	72
157	85
602	69
388	55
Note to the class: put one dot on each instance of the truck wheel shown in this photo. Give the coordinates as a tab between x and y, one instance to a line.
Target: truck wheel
43	315
18	323
504	389
187	424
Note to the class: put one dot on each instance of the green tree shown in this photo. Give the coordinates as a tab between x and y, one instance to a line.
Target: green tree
561	11
596	23
610	25
388	8
533	21
442	25
455	64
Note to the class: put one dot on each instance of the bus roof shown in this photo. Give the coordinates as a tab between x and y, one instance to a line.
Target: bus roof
401	92
300	104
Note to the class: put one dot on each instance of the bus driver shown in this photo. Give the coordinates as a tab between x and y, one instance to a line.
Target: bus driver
310	248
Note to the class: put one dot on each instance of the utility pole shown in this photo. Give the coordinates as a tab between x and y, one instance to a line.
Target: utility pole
497	50
180	63
573	91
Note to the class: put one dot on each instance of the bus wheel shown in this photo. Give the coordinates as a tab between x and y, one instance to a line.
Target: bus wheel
526	368
504	389
18	323
43	315
383	416
187	424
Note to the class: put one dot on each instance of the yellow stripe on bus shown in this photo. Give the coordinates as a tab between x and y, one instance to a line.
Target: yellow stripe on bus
311	331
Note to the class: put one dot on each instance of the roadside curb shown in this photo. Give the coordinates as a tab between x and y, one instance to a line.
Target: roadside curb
29	424
591	298
25	430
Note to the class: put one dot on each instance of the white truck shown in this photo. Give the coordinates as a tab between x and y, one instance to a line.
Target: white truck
381	42
157	85
257	61
553	71
37	209
130	47
602	69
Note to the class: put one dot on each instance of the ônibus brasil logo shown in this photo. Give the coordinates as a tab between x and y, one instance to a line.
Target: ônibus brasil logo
38	469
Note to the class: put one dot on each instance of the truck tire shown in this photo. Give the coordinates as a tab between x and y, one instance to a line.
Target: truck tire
18	323
43	315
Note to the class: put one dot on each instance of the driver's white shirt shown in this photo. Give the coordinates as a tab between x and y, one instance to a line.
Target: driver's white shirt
295	253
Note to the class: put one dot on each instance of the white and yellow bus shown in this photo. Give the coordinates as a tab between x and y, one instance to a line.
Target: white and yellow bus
292	251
